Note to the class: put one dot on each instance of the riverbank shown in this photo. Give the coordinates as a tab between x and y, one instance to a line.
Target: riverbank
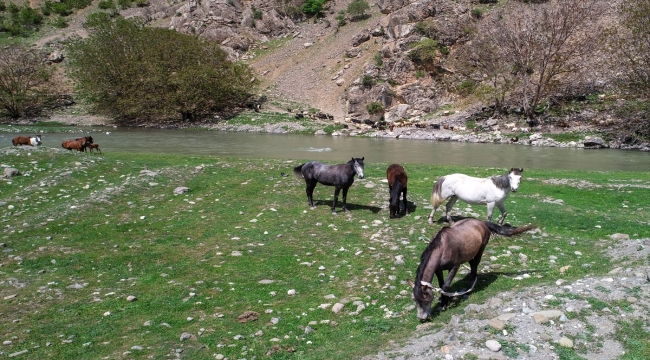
156	255
447	128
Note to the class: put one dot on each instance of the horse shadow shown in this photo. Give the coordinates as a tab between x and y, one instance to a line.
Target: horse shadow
484	281
443	220
351	207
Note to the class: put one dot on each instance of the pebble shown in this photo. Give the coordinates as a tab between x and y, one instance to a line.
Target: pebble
566	342
131	298
493	345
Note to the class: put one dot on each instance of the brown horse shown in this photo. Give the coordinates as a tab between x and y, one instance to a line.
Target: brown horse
452	246
78	144
396	185
27	140
92	147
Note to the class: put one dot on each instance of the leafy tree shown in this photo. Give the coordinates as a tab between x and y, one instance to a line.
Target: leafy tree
357	9
313	7
24	80
133	73
539	47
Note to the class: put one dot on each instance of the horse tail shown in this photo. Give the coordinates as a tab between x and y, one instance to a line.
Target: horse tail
507	230
436	193
395	191
297	171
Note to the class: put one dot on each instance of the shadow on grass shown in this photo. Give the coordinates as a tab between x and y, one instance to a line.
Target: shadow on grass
351	207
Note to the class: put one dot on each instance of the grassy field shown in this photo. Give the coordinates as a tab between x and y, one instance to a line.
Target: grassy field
83	232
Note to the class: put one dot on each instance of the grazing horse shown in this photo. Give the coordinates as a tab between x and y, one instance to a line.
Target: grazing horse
396	185
340	176
491	191
462	242
78	144
27	140
92	147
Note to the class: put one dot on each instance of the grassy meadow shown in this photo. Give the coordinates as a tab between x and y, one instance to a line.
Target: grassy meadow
82	232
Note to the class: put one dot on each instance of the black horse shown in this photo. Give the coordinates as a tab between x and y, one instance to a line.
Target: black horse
340	176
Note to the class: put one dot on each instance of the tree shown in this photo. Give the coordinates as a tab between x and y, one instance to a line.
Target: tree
132	73
539	47
357	9
24	80
313	7
631	45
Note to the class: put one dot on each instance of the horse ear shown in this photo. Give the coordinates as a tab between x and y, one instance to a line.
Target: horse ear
410	283
363	158
512	169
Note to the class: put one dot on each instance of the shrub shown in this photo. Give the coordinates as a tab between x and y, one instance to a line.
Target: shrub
477	13
124	4
425	28
313	7
257	14
374	108
391	82
420	74
341	18
141	3
357	9
367	81
3	6
467	87
379	59
60	22
133	73
423	51
106	4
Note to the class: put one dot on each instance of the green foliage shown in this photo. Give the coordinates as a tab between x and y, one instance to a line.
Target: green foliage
477	13
313	7
340	17
425	28
420	74
379	59
357	9
24	81
3	6
60	22
124	4
257	14
55	8
135	73
467	87
367	81
374	108
424	51
21	20
106	4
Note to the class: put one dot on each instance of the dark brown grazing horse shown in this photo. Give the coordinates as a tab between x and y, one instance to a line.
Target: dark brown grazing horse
92	147
452	246
396	185
27	140
78	144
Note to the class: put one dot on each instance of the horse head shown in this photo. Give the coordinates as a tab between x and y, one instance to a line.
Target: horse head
357	164
423	297
515	178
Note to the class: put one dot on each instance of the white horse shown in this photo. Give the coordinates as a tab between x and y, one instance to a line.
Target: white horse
491	191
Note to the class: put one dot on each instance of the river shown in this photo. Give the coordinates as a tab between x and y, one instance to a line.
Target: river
341	149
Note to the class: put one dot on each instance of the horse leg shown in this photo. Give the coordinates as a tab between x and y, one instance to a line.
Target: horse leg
310	192
502	208
449	206
406	209
336	198
490	208
345	199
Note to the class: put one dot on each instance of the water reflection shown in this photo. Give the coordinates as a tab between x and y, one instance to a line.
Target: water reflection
333	149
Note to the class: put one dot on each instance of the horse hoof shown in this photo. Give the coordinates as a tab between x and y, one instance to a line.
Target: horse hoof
333	212
312	207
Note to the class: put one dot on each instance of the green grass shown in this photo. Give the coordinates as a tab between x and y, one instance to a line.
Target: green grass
119	233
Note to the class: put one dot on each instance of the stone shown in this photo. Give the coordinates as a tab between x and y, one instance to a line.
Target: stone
539	318
181	190
337	308
496	324
493	345
566	342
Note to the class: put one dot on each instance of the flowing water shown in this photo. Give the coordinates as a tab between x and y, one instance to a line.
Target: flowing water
341	149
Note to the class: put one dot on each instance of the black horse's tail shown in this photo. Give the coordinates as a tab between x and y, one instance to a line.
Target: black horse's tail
298	170
395	191
507	230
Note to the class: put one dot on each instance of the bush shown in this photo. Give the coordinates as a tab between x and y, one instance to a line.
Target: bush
3	6
313	7
134	73
124	4
60	22
367	81
24	94
467	87
379	59
257	14
340	17
420	74
374	108
106	4
357	9
423	51
477	13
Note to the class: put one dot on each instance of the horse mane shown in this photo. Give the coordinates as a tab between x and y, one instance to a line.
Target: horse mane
424	259
501	181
